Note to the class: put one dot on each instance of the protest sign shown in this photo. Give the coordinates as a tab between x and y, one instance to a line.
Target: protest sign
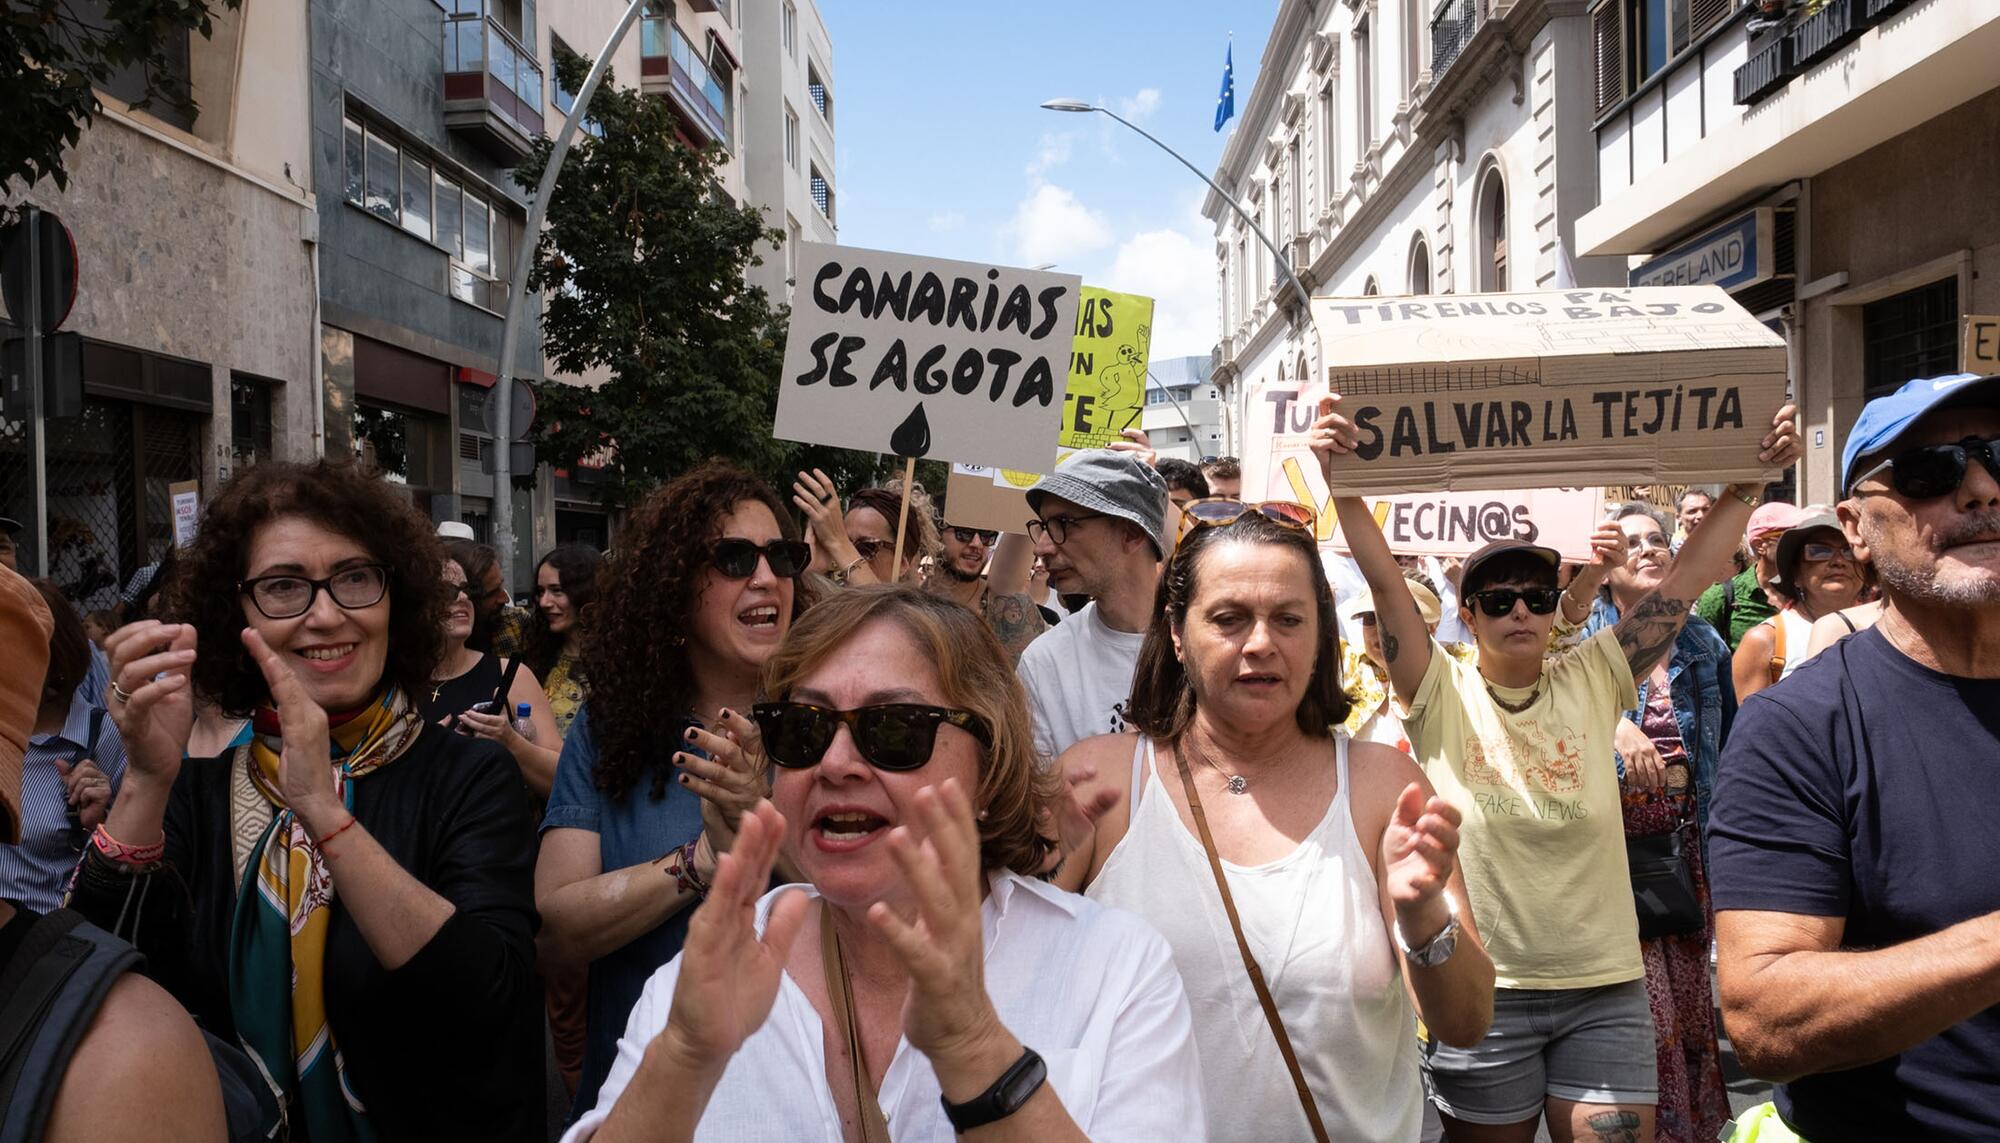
1559	388
892	353
185	496
1982	344
973	498
1107	367
1280	466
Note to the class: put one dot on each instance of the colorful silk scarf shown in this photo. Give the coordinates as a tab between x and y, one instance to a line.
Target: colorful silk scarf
277	944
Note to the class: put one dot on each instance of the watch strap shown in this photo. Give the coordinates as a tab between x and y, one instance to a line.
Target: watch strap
1005	1096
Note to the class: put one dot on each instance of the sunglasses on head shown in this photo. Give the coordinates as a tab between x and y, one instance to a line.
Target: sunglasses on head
1931	471
987	536
1499	601
1222	511
891	736
737	558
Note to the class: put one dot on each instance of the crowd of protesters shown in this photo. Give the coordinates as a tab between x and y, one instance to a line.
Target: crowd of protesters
1117	824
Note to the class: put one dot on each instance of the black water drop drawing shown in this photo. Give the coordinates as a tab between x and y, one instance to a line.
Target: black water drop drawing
913	436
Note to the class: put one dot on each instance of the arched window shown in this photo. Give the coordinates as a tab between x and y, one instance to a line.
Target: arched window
1489	227
1371	287
1420	265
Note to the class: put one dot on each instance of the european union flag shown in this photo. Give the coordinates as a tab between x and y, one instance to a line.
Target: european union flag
1225	104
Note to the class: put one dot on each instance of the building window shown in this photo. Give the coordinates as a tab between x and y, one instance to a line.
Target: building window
1364	84
417	197
1413	35
1634	39
1370	288
789	28
791	137
1910	335
249	419
822	191
1296	173
821	97
792	238
383	178
1329	145
354	161
1243	279
1490	227
1420	266
565	99
450	210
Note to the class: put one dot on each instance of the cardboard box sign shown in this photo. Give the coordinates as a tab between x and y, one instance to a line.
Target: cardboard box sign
974	499
1561	388
921	357
1981	353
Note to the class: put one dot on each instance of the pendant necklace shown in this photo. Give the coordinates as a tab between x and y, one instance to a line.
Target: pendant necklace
1513	707
1234	783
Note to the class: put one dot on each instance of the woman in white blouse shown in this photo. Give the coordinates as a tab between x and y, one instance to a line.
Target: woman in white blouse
943	989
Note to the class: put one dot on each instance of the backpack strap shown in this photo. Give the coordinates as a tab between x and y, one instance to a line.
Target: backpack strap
1777	623
49	993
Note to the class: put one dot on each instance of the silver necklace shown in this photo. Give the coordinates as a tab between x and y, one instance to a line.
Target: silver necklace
1234	783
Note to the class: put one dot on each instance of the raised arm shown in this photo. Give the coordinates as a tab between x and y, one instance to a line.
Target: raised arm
1406	643
1647	631
1012	559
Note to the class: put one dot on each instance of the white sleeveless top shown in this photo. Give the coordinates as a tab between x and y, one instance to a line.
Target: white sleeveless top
1313	921
1798	637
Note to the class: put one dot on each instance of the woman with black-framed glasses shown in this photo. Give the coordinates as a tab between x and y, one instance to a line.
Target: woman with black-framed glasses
938	985
702	585
348	895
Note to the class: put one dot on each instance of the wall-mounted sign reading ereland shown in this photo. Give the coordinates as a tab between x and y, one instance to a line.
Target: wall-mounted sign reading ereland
1736	255
920	357
1556	389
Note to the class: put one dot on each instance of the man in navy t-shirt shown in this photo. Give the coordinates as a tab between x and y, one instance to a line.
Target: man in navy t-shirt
1855	838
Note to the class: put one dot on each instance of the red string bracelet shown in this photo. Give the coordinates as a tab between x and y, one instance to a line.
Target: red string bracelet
321	843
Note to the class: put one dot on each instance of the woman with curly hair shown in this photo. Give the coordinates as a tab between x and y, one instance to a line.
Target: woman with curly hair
565	590
697	595
348	894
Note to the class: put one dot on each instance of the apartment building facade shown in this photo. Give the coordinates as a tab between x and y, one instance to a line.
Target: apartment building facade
1183	412
1396	147
1829	162
788	105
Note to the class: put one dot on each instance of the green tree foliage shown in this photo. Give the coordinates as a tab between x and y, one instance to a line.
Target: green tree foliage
54	52
642	264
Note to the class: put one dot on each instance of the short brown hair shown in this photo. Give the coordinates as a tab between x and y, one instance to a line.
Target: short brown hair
1014	788
69	647
921	538
1163	701
336	494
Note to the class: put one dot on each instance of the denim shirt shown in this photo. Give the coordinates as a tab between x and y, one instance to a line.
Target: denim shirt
1704	694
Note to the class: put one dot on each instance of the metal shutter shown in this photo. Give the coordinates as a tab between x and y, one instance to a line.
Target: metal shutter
1607	29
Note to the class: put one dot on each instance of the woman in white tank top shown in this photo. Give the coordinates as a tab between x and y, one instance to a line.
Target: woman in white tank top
1329	848
1818	575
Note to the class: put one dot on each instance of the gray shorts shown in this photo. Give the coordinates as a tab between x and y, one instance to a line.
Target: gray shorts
1589	1045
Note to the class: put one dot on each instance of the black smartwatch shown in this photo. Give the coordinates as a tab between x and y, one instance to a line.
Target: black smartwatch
1015	1087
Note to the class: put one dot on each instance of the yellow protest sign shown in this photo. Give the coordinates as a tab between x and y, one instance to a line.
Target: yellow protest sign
1107	367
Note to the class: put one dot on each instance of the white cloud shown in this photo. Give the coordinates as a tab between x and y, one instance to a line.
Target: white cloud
946	221
1051	225
1053	151
1176	268
1140	105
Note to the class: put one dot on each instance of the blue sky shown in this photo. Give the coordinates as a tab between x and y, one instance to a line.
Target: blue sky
942	148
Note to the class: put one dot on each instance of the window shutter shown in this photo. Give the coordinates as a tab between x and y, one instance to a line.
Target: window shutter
1607	27
1706	14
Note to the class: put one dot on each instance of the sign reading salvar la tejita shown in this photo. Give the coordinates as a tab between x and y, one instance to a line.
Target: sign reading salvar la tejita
922	357
1556	389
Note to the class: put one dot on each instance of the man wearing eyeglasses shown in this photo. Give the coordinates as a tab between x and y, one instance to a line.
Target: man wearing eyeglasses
998	594
1100	529
1853	840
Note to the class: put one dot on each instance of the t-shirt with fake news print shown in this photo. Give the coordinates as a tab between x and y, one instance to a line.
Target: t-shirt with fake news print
1078	676
1543	841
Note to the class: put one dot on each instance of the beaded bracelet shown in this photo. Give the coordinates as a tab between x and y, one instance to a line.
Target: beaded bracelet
680	862
124	854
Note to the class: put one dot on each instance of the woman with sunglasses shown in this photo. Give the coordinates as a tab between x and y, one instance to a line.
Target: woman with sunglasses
1344	917
1818	576
348	896
860	545
699	592
1521	744
939	986
462	691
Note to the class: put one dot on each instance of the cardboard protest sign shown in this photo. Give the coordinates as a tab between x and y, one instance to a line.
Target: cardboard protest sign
892	353
1107	368
1278	465
1982	345
186	498
1559	388
974	499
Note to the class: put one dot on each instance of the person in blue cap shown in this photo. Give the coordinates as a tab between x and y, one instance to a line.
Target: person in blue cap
1853	838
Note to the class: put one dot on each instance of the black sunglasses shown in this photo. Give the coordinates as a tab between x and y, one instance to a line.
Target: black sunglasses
737	558
987	536
892	736
1499	601
1936	470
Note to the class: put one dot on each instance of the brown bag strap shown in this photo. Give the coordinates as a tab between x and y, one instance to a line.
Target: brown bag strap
874	1125
1777	647
1250	960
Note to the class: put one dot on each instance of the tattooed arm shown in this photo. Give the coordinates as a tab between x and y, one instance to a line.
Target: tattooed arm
1007	574
1015	621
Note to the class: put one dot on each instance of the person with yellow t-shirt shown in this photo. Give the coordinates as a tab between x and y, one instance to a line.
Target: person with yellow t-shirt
1520	742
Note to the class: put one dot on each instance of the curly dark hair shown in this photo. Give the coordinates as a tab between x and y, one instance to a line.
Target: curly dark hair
336	494
576	569
1163	700
638	666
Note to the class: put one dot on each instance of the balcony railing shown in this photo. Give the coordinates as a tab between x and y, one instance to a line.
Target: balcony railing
1452	27
489	76
666	55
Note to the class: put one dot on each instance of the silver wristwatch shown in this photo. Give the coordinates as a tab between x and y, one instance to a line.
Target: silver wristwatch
1439	948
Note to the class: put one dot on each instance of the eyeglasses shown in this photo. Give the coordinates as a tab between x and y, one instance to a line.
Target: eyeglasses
1222	511
893	736
1932	471
1648	540
1499	601
290	596
987	536
1057	527
1821	553
737	558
